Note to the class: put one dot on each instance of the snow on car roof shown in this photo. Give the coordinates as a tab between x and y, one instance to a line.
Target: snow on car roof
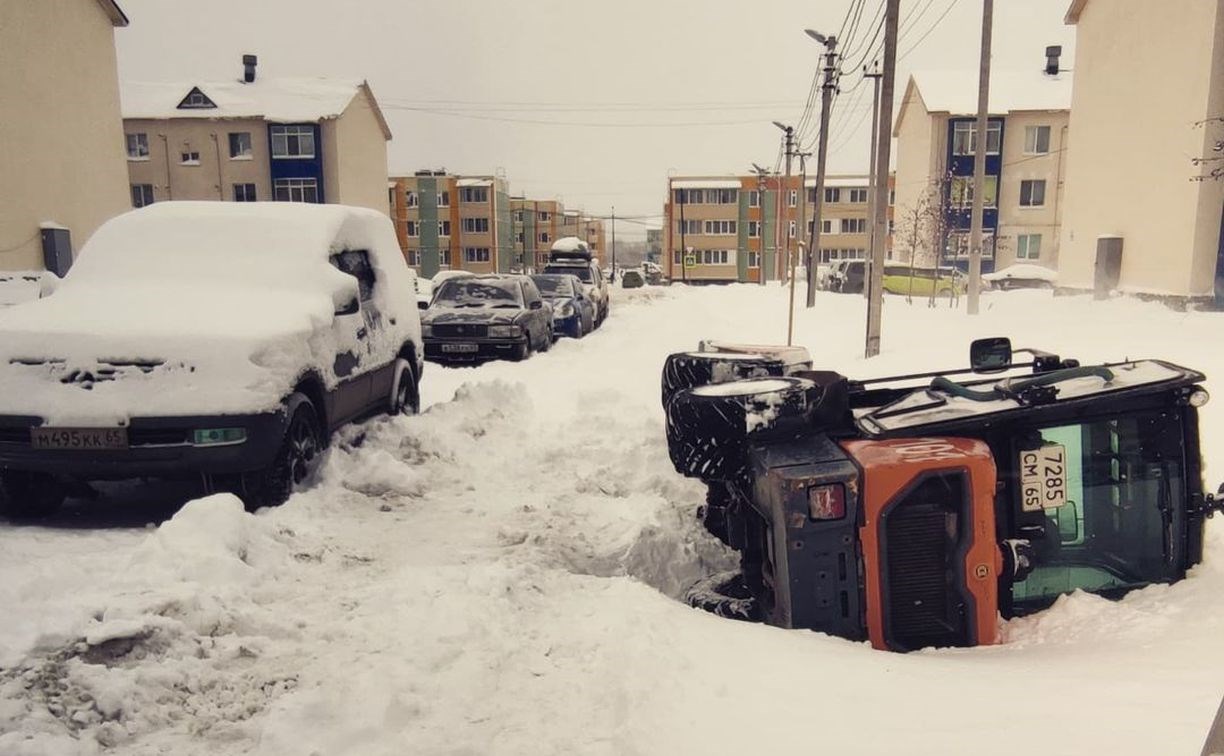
570	244
1022	270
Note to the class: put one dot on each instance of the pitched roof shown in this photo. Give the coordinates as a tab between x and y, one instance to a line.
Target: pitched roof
956	92
1073	12
114	12
286	100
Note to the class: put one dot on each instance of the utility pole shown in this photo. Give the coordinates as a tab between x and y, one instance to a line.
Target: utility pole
682	198
826	102
979	162
613	245
761	173
790	323
790	153
875	140
875	304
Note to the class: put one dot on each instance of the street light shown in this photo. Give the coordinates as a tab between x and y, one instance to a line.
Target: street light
822	39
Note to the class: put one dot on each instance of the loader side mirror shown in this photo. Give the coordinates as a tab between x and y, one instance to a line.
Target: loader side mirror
990	355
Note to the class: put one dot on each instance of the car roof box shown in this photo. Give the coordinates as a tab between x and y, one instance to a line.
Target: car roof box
569	248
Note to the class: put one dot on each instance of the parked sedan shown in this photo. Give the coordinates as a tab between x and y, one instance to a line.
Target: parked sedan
573	310
478	318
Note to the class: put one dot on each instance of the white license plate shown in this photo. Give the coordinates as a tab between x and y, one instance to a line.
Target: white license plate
81	439
1043	477
460	348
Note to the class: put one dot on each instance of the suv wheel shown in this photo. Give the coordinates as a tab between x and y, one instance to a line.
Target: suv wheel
30	495
407	397
298	457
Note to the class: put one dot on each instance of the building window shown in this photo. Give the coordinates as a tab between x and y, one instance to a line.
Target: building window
137	146
295	190
1028	246
414	258
754	259
444	199
827	226
854	225
1036	140
189	158
792	198
714	257
413	229
719	227
688	227
293	142
858	195
964	137
962	192
754	229
411	199
475	225
791	228
544	238
244	192
443	228
476	254
240	145
722	196
1032	193
444	257
196	99
474	194
543	215
832	194
754	198
142	194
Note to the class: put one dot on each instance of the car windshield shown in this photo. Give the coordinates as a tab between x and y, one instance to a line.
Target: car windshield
554	286
582	272
462	292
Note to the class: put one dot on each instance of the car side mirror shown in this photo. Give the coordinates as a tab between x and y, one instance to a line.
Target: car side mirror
990	355
537	304
422	304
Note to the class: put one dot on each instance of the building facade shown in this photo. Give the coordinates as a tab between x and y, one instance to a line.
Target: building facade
253	139
448	222
1146	130
1026	157
739	228
654	245
539	223
61	133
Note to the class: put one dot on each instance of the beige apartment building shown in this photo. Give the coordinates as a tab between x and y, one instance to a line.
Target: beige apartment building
61	134
1147	122
1026	163
539	223
448	222
739	228
255	139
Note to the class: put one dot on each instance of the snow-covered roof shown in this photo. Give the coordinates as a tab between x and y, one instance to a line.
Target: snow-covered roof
706	184
956	92
474	182
281	100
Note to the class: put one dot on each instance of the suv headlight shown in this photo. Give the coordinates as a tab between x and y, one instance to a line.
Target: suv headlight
565	310
426	330
505	331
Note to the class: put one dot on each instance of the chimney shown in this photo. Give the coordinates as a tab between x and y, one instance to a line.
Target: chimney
248	68
1053	53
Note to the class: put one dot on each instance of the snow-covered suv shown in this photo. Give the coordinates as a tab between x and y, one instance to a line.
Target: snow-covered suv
206	340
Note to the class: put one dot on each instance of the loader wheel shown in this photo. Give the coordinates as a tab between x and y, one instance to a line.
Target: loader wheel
685	370
709	427
713	514
724	594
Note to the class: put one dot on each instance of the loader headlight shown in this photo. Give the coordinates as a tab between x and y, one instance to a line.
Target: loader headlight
1199	397
827	502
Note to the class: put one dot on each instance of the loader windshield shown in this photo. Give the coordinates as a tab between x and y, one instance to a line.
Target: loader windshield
1102	502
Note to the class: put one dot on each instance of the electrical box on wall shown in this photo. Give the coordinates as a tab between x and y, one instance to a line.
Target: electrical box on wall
57	249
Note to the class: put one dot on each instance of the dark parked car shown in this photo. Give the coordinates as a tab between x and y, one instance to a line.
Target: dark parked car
573	310
632	279
480	318
849	278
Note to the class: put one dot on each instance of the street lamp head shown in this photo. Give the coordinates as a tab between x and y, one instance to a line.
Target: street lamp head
822	39
782	126
759	169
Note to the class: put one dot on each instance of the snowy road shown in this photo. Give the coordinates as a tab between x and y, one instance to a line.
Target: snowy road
495	576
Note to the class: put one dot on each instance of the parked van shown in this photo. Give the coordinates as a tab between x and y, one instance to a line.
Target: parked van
943	282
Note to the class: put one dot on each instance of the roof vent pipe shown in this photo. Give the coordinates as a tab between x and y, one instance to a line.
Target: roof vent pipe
248	68
1053	53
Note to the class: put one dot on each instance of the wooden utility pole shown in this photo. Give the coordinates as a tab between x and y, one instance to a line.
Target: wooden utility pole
979	163
790	263
614	245
826	103
875	141
761	173
875	304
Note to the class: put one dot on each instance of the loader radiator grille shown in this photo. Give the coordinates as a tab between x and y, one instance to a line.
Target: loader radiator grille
922	538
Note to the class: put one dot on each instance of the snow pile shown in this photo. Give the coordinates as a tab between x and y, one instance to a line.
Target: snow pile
1023	271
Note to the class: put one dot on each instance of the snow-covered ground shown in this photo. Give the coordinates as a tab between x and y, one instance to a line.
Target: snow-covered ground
496	576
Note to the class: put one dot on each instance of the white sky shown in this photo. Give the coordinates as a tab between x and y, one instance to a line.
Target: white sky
636	88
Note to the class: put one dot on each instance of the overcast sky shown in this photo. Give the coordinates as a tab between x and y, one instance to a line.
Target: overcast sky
590	102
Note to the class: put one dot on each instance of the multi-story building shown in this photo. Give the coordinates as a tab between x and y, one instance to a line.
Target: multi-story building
735	229
448	222
591	230
1026	140
537	225
298	140
654	245
61	133
1145	176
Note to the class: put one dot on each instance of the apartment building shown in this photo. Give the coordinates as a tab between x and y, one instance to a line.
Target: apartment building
1145	180
1026	158
539	223
449	222
254	138
654	244
61	133
738	228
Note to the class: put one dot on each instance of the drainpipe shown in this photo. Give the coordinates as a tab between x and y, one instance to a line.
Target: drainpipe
1058	177
166	151
220	183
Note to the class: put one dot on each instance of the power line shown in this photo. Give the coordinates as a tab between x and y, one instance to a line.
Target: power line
947	10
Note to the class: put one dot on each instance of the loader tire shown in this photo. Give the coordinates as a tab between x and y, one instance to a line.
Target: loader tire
685	370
